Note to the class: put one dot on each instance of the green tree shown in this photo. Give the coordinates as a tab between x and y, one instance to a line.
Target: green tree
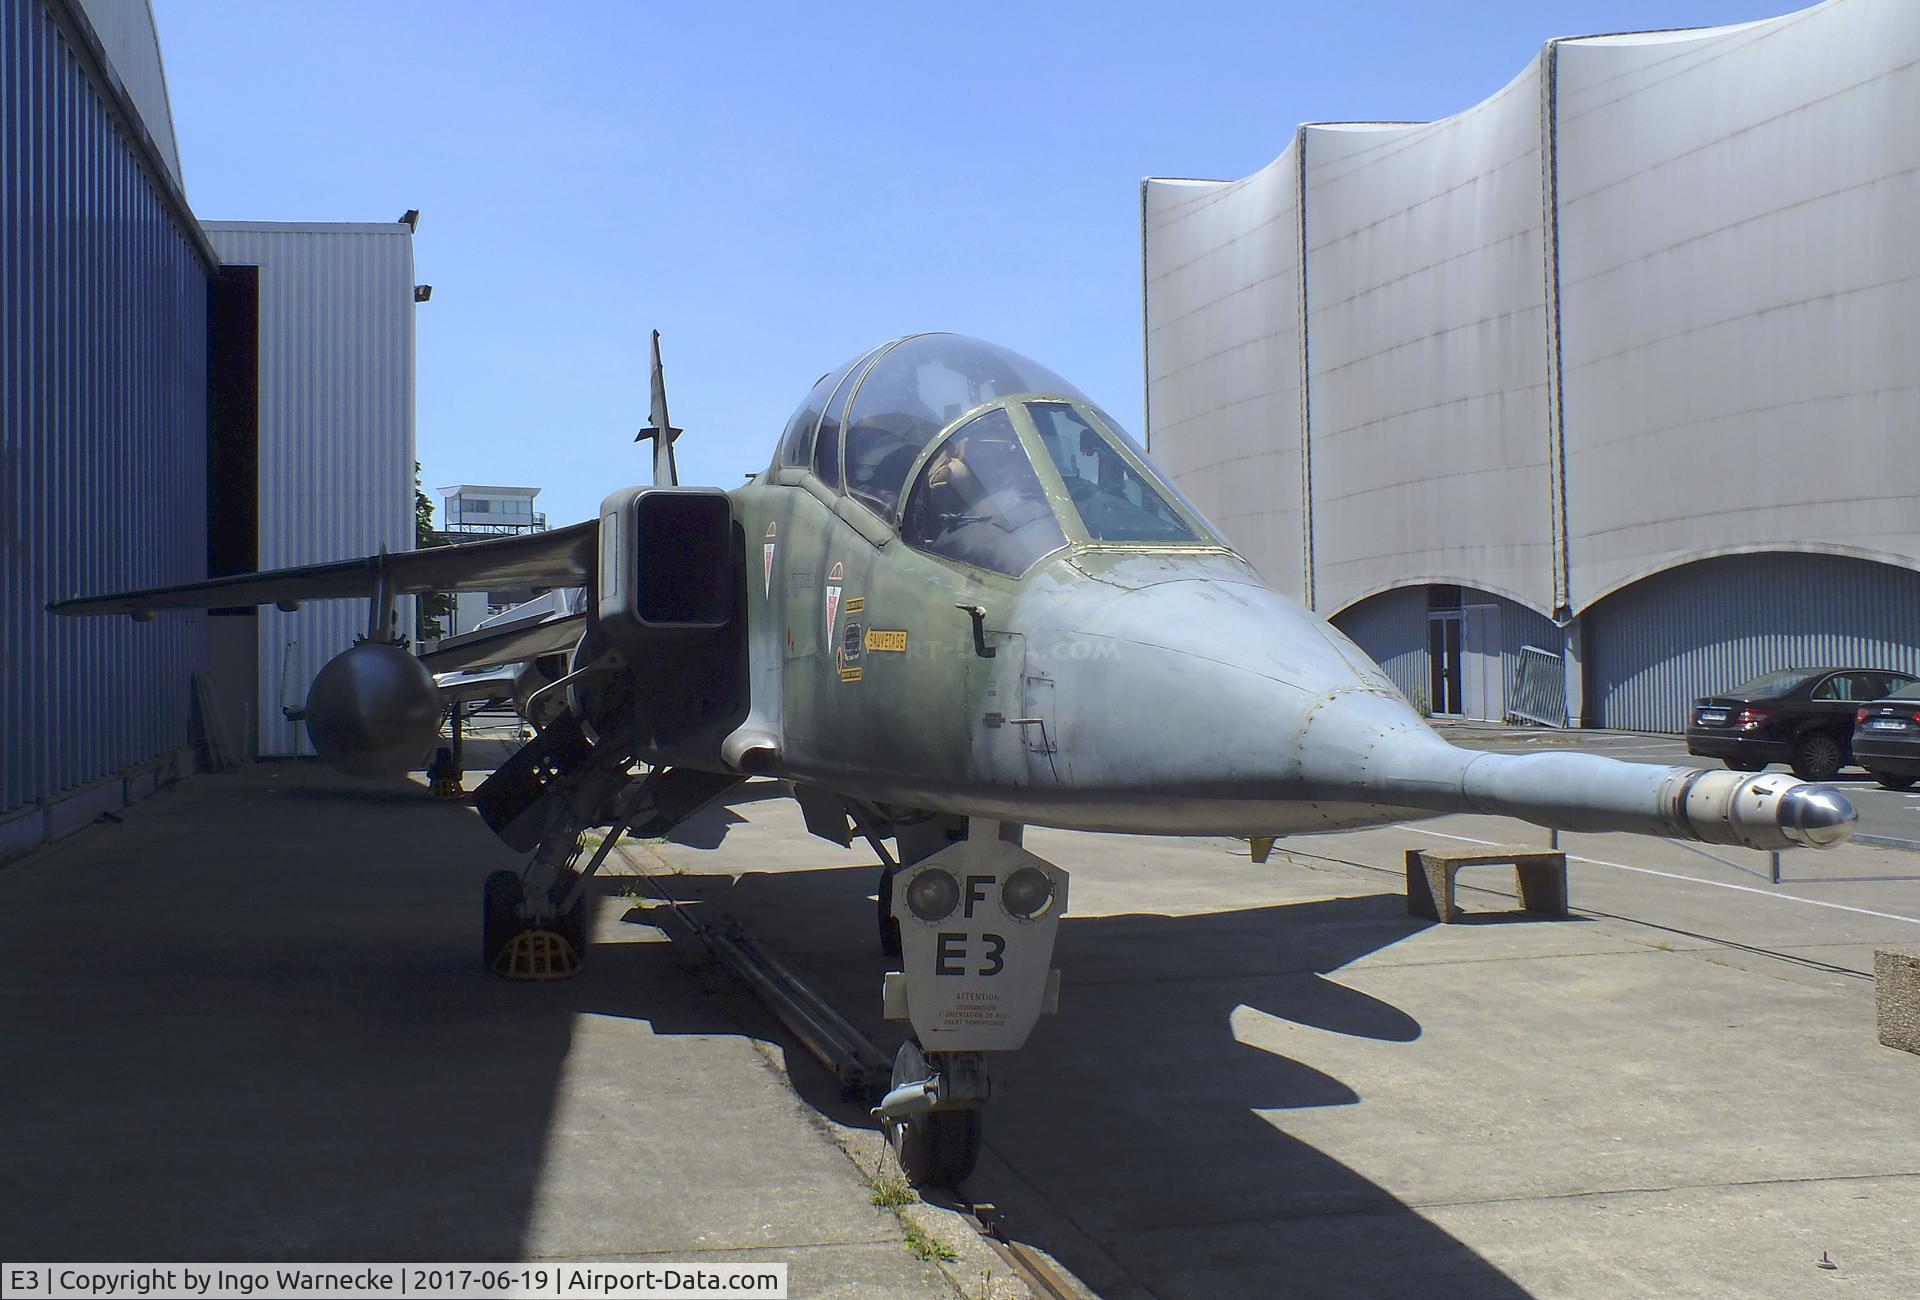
432	606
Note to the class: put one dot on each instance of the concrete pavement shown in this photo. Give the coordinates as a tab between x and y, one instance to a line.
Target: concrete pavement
250	1024
1270	1080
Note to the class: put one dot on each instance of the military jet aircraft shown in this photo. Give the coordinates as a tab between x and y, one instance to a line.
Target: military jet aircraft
958	601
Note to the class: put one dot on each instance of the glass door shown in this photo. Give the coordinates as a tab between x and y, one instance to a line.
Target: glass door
1443	662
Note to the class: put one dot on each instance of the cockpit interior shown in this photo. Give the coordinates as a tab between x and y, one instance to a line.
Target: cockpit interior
979	455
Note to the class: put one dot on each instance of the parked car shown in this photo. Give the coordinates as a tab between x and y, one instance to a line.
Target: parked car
1803	717
1886	738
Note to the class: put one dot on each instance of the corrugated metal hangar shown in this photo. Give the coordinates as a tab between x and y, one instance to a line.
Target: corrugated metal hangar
176	401
1595	397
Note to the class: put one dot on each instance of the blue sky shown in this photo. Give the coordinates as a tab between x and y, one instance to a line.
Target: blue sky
777	187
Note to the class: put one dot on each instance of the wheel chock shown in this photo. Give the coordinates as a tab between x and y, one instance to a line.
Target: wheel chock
537	955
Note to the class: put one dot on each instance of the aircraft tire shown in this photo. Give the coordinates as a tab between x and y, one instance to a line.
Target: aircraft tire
500	914
940	1148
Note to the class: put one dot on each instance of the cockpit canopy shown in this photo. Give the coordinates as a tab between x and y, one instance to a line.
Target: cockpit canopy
926	433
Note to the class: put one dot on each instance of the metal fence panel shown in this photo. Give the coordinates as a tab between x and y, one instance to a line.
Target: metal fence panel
1539	691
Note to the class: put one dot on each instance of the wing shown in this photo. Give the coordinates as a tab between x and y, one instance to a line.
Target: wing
563	557
494	684
510	643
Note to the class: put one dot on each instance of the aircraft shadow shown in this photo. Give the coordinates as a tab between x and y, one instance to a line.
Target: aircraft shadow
708	828
1133	1115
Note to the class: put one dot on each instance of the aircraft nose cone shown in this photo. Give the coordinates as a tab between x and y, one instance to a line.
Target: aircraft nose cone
1817	815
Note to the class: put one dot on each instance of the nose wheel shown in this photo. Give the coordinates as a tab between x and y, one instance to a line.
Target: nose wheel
936	1148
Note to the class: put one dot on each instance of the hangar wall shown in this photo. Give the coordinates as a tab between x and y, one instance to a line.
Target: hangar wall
103	299
1427	376
1224	355
128	361
1740	372
1655	301
336	431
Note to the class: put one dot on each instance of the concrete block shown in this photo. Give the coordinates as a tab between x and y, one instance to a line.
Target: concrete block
1540	874
1896	997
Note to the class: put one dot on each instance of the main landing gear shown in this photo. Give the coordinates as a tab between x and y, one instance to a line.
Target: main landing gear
515	948
533	923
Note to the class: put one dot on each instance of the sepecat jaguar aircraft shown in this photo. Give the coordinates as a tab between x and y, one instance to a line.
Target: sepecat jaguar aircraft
959	601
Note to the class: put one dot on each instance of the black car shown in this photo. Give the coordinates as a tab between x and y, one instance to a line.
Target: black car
1886	738
1802	716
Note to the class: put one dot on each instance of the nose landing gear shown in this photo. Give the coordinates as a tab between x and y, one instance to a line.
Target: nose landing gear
933	1115
977	922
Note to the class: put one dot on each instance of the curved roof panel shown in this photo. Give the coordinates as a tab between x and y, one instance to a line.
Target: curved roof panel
1655	297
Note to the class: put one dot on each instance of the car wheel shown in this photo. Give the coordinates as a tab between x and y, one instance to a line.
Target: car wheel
1892	782
1747	764
1816	757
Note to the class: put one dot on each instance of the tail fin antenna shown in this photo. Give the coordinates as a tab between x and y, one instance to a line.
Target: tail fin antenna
665	473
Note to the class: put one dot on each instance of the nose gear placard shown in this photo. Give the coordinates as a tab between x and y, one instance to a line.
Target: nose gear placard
976	972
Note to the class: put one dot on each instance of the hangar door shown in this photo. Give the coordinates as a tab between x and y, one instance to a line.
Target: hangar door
1698	629
1465	662
1483	676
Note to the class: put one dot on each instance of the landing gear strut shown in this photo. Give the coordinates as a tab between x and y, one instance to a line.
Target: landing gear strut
535	923
444	774
889	926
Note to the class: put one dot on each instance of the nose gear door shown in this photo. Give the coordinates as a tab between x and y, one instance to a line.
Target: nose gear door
977	924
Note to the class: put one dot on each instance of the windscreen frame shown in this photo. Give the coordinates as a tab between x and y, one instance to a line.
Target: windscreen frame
1206	537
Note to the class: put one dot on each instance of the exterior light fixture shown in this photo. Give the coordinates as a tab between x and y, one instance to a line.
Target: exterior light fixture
933	894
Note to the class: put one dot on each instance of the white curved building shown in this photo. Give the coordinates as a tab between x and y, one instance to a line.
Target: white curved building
1621	364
